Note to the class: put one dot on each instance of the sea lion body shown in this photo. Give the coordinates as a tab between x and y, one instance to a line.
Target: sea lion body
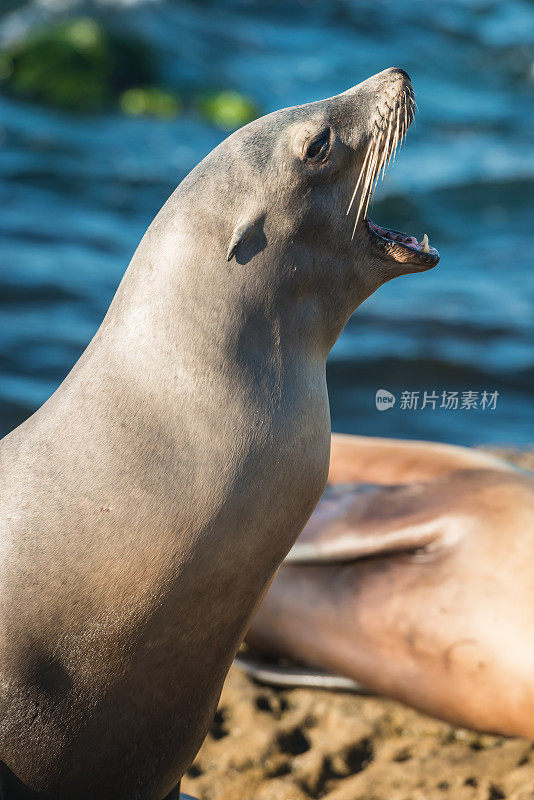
147	504
417	584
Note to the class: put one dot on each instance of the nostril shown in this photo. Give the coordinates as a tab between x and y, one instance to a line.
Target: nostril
399	72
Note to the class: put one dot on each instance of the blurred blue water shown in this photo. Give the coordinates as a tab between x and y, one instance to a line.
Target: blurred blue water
78	193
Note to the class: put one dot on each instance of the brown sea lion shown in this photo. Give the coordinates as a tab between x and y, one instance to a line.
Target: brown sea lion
147	504
415	578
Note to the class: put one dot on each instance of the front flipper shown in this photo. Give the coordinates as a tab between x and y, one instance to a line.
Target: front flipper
355	521
371	459
296	678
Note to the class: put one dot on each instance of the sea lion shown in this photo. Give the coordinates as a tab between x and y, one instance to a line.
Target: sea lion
147	504
415	577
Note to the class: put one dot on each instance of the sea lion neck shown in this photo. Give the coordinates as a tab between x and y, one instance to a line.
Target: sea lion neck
211	372
178	318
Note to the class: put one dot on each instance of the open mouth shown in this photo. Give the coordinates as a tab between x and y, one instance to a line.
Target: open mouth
394	114
401	247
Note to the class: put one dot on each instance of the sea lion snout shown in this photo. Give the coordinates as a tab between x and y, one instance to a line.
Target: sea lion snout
394	78
378	98
395	75
384	108
395	85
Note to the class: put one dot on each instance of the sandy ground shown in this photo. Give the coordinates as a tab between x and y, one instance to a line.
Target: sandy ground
271	744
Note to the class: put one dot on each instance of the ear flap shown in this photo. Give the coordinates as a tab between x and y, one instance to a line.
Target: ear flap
241	231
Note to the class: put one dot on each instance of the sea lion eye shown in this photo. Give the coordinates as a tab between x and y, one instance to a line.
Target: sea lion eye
318	147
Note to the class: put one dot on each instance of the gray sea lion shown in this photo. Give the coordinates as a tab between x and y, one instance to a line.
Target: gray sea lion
415	577
147	504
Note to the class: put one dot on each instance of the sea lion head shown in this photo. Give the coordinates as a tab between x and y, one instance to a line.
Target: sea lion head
285	200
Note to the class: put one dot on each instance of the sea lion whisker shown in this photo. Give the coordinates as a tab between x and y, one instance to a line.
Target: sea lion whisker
381	163
389	143
365	190
373	175
363	179
360	177
365	184
390	127
385	157
369	180
397	129
369	198
362	197
380	158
